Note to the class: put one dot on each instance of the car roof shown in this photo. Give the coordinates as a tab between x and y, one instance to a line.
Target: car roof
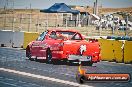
66	30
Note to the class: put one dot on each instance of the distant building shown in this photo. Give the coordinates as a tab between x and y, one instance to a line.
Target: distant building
83	17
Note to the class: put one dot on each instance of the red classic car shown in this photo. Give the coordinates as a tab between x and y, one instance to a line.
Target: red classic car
64	45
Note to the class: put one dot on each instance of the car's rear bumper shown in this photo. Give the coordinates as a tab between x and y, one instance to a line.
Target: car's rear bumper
60	55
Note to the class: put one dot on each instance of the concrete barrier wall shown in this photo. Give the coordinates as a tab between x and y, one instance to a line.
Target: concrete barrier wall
128	52
28	37
18	39
6	38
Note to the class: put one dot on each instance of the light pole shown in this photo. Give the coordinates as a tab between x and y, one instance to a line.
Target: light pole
96	4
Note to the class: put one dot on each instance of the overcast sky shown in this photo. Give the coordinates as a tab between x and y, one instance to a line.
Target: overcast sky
43	4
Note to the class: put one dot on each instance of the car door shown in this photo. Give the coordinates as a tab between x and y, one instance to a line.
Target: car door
37	46
50	41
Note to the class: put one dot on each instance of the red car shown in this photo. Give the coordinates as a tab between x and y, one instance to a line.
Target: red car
66	45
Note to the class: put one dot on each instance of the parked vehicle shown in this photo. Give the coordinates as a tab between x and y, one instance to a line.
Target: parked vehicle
64	45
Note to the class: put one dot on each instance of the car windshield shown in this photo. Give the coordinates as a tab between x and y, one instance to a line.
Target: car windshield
42	36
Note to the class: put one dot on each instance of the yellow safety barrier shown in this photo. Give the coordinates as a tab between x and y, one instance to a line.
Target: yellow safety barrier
106	49
28	37
128	52
118	50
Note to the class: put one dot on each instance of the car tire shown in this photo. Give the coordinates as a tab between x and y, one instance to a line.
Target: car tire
56	62
48	56
70	63
36	59
29	55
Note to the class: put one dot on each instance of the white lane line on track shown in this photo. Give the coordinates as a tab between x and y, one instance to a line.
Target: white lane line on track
44	77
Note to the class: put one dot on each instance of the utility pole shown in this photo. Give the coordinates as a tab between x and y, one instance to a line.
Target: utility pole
96	7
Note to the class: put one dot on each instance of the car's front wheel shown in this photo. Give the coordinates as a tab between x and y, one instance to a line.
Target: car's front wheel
48	56
28	53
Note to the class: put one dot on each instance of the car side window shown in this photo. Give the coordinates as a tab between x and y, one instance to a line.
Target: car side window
42	36
76	37
53	35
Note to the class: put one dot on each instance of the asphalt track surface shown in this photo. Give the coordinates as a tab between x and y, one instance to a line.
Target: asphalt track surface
17	71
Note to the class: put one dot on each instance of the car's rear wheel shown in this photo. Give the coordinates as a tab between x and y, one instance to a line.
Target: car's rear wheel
55	61
59	62
48	56
73	62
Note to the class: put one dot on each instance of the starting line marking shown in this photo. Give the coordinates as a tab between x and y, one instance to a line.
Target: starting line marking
44	77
